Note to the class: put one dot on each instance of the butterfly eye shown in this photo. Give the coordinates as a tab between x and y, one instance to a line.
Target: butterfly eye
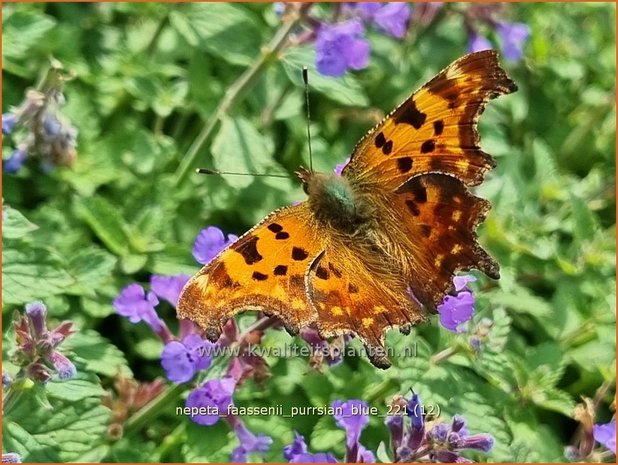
306	188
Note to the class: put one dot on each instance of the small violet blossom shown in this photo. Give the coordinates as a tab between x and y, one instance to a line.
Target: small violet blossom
393	18
456	310
249	442
478	43
340	166
209	242
168	287
181	360
137	305
513	37
297	452
214	397
340	47
606	435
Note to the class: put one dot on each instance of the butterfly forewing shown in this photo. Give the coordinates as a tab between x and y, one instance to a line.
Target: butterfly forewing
434	130
264	270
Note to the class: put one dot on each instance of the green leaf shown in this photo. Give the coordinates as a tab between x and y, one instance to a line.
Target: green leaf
223	29
90	267
31	273
105	221
98	354
345	90
22	30
217	448
14	224
326	436
239	147
81	387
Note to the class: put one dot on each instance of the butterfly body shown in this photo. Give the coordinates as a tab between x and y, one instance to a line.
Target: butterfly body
378	246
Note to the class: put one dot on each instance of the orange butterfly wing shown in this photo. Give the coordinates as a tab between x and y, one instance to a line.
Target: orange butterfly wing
352	293
263	270
434	130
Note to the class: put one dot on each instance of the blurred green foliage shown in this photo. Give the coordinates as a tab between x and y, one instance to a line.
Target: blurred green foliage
148	77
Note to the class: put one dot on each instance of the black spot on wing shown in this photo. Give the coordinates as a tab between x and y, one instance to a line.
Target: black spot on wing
380	140
404	164
352	288
387	148
299	254
259	276
335	271
438	127
274	227
428	146
409	114
249	251
413	207
280	270
282	235
425	230
321	272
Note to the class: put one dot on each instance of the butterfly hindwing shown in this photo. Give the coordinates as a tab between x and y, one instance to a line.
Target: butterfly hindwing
440	216
352	296
434	130
263	270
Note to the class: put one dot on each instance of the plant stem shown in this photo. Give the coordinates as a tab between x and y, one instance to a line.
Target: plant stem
446	353
238	89
153	409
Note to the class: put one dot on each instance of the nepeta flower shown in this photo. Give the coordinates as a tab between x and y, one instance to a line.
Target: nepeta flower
181	360
137	305
35	351
606	435
15	160
456	310
214	397
8	122
513	37
353	420
249	442
11	457
209	242
478	42
393	19
340	47
297	453
168	287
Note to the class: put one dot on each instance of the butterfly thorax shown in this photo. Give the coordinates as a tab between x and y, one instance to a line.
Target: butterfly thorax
335	203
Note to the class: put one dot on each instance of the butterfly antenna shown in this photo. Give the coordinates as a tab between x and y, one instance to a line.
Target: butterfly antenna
306	81
233	173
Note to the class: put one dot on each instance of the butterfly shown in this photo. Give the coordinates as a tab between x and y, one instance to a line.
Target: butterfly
378	246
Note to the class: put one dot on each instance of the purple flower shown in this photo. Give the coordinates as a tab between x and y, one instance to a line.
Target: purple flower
320	457
15	161
211	400
393	18
209	242
249	442
8	122
353	420
478	42
339	167
340	47
136	305
168	287
297	447
456	310
181	360
606	435
513	37
366	10
64	367
11	457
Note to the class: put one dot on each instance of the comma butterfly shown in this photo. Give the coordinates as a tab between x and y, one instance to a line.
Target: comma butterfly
378	246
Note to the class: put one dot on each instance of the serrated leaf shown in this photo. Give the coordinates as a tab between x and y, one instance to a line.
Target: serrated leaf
239	147
106	223
90	266
81	387
222	29
217	448
67	432
14	224
345	90
31	273
98	354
